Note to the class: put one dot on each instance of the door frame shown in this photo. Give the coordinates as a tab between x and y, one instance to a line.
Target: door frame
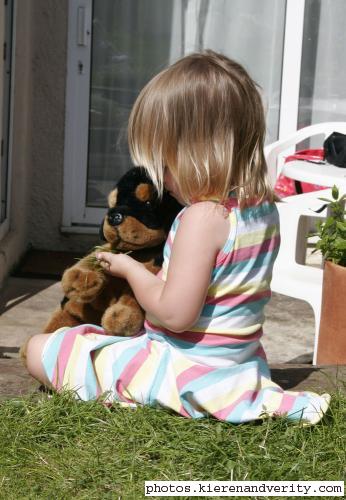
77	217
7	108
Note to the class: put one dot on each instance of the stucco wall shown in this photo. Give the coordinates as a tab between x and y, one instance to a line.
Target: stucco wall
49	60
2	36
16	240
39	82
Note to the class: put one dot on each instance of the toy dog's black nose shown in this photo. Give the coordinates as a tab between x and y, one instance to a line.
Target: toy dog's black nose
115	219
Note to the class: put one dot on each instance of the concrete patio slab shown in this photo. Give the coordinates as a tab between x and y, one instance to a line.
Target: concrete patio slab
26	306
16	382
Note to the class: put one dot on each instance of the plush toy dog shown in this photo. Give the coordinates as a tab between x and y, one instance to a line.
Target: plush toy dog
136	222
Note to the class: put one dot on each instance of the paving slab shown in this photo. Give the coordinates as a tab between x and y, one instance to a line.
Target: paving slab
26	306
15	380
45	264
302	377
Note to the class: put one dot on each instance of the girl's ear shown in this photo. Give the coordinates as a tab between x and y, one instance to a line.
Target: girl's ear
112	198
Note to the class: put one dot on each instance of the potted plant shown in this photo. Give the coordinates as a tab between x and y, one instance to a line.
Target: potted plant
332	244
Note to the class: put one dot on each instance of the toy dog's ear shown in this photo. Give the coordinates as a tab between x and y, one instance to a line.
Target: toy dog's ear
112	198
101	233
144	192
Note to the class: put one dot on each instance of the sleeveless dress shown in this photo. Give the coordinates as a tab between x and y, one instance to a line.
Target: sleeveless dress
219	367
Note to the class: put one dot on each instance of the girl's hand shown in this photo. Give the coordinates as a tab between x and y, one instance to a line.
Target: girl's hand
114	264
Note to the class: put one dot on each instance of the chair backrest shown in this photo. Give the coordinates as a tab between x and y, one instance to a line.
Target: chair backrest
273	152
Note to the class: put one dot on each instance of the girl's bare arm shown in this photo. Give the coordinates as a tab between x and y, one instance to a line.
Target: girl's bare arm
177	302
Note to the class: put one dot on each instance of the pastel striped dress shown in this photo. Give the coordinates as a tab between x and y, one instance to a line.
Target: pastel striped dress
218	368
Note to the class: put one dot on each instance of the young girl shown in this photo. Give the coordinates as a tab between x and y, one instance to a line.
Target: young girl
198	128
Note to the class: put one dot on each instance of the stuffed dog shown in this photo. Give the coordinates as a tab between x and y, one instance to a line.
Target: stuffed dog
137	222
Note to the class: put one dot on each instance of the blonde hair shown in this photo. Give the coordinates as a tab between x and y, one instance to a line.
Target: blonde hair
203	119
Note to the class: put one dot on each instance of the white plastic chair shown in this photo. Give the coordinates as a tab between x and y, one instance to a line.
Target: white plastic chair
290	276
273	152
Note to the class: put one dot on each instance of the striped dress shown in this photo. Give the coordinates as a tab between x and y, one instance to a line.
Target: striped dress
218	368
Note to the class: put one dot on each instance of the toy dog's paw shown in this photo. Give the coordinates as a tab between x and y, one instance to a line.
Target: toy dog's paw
23	350
82	284
63	317
122	320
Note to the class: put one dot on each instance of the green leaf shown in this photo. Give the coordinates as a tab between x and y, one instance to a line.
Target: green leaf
335	192
332	231
340	244
341	225
328	223
325	199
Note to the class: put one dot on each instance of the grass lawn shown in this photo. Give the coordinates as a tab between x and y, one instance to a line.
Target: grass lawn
63	448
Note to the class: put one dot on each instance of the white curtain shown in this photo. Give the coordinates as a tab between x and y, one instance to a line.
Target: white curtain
249	31
323	73
130	43
134	39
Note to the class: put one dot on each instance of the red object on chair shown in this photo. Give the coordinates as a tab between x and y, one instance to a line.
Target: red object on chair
285	186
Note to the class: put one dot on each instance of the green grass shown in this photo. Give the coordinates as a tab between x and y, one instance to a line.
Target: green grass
63	448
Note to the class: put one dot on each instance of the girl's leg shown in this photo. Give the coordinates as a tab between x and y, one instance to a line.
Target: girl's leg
34	350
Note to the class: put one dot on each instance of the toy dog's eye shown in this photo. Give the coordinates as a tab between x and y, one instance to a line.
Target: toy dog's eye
115	219
148	203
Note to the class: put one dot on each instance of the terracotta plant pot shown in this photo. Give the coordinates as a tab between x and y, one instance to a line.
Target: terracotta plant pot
331	348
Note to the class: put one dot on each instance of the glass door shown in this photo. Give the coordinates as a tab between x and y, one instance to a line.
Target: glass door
131	41
116	46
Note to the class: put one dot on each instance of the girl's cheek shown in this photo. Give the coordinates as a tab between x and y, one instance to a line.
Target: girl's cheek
169	181
166	181
171	186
